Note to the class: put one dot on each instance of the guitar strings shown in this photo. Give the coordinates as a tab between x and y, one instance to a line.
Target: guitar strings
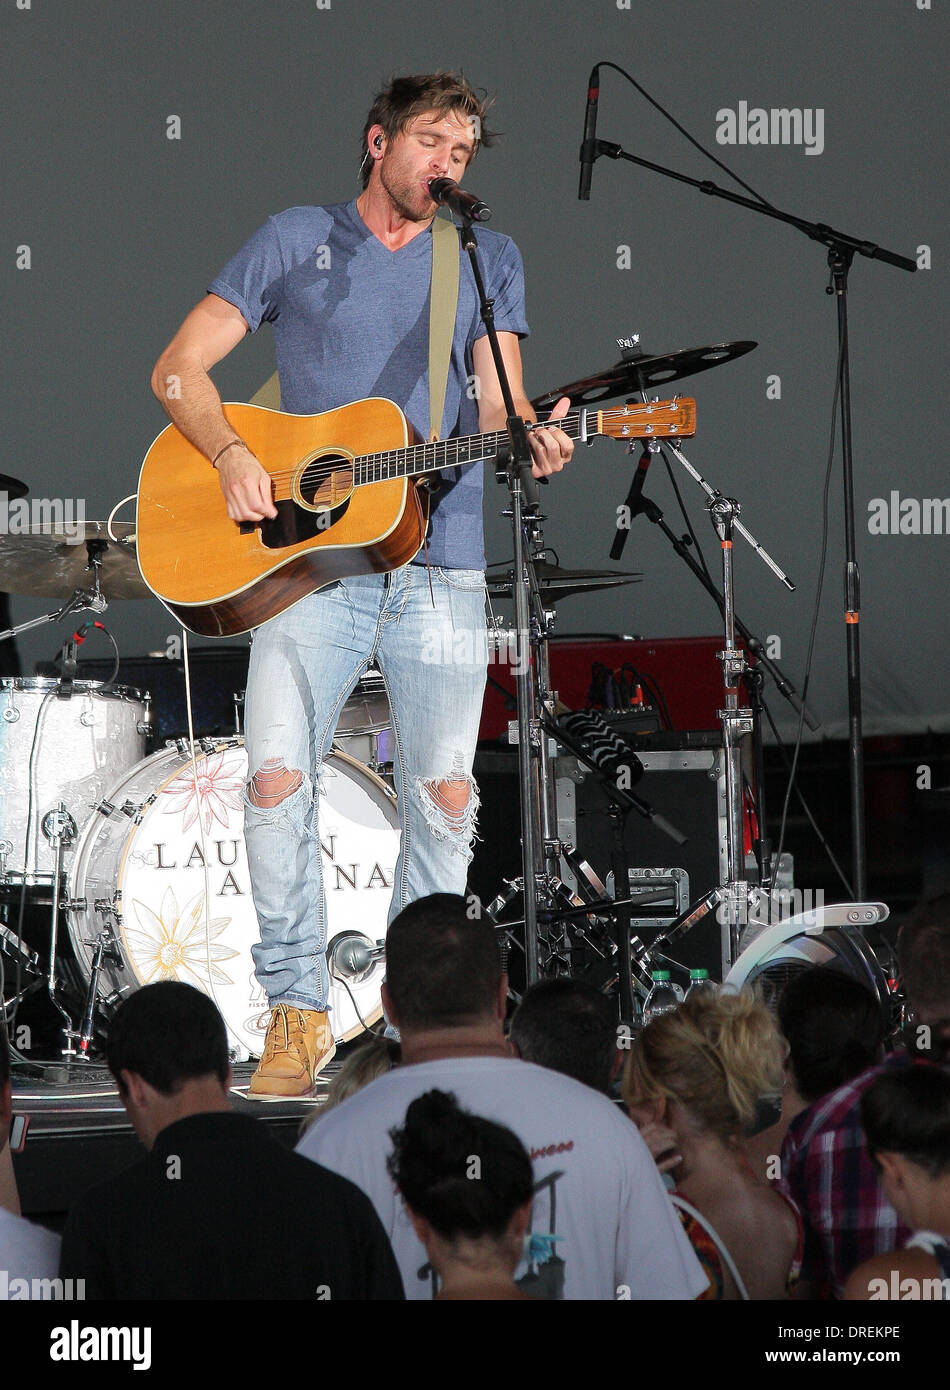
319	471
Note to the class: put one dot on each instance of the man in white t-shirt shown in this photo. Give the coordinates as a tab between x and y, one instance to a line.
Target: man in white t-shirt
28	1253
602	1225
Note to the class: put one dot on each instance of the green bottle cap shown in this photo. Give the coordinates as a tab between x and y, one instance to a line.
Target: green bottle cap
661	975
699	974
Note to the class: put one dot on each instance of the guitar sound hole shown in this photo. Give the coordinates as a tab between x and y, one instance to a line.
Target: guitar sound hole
326	481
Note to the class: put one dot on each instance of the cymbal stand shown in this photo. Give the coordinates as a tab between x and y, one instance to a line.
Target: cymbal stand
60	829
733	898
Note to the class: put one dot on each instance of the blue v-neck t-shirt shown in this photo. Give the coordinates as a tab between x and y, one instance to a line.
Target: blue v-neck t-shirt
351	320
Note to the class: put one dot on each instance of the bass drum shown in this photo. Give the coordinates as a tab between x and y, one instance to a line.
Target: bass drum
161	871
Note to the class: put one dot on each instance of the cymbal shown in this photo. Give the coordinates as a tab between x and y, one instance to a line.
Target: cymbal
643	372
51	561
557	583
12	487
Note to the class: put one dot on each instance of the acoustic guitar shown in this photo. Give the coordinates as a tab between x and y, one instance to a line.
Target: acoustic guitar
346	484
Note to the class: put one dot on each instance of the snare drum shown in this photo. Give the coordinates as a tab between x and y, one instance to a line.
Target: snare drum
177	903
59	750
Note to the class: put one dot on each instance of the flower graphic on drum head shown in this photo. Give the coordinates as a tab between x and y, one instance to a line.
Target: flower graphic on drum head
174	945
214	785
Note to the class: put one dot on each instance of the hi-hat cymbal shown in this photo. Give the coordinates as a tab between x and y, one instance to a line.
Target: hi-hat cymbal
557	583
640	373
52	561
13	487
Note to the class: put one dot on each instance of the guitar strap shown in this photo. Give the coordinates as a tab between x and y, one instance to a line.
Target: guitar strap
443	306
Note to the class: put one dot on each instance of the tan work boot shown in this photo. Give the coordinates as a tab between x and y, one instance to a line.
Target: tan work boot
298	1046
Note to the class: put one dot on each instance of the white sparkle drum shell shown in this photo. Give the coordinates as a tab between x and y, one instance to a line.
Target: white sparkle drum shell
57	750
178	902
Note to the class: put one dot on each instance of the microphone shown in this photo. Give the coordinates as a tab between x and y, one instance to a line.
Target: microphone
447	194
590	130
605	748
70	652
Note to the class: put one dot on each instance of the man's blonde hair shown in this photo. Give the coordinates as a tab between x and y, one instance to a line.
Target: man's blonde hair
408	97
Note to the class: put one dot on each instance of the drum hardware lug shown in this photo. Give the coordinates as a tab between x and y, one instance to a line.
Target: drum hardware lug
144	725
104	808
110	945
11	714
207	745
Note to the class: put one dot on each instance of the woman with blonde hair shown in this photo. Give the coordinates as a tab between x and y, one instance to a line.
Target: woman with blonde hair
692	1083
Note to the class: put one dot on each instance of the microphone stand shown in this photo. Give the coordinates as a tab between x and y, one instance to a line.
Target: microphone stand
842	249
513	471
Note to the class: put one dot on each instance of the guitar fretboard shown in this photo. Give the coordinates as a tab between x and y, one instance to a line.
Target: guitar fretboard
447	453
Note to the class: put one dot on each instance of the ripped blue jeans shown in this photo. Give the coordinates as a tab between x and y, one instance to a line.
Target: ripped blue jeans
304	664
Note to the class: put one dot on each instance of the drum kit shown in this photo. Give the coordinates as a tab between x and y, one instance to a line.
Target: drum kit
119	868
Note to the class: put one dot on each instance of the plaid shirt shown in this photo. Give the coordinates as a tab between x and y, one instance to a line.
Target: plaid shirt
827	1170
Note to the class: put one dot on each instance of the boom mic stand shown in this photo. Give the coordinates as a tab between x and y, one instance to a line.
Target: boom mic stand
842	249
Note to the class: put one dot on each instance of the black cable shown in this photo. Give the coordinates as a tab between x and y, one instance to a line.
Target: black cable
78	638
821	580
689	526
659	700
806	808
367	1028
683	131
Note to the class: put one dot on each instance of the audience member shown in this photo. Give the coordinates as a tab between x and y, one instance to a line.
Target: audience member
373	1056
27	1252
571	1027
468	1187
834	1027
217	1208
693	1081
600	1212
906	1117
826	1166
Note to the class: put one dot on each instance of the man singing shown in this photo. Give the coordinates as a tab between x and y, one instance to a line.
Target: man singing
346	289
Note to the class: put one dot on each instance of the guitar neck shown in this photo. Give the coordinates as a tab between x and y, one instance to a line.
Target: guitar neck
656	419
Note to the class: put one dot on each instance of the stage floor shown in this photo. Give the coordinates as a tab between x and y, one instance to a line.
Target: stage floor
78	1133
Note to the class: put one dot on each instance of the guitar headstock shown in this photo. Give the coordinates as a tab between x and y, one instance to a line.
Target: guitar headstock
662	419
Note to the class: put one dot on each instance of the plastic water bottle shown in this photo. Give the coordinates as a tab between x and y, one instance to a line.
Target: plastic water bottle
663	998
700	983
